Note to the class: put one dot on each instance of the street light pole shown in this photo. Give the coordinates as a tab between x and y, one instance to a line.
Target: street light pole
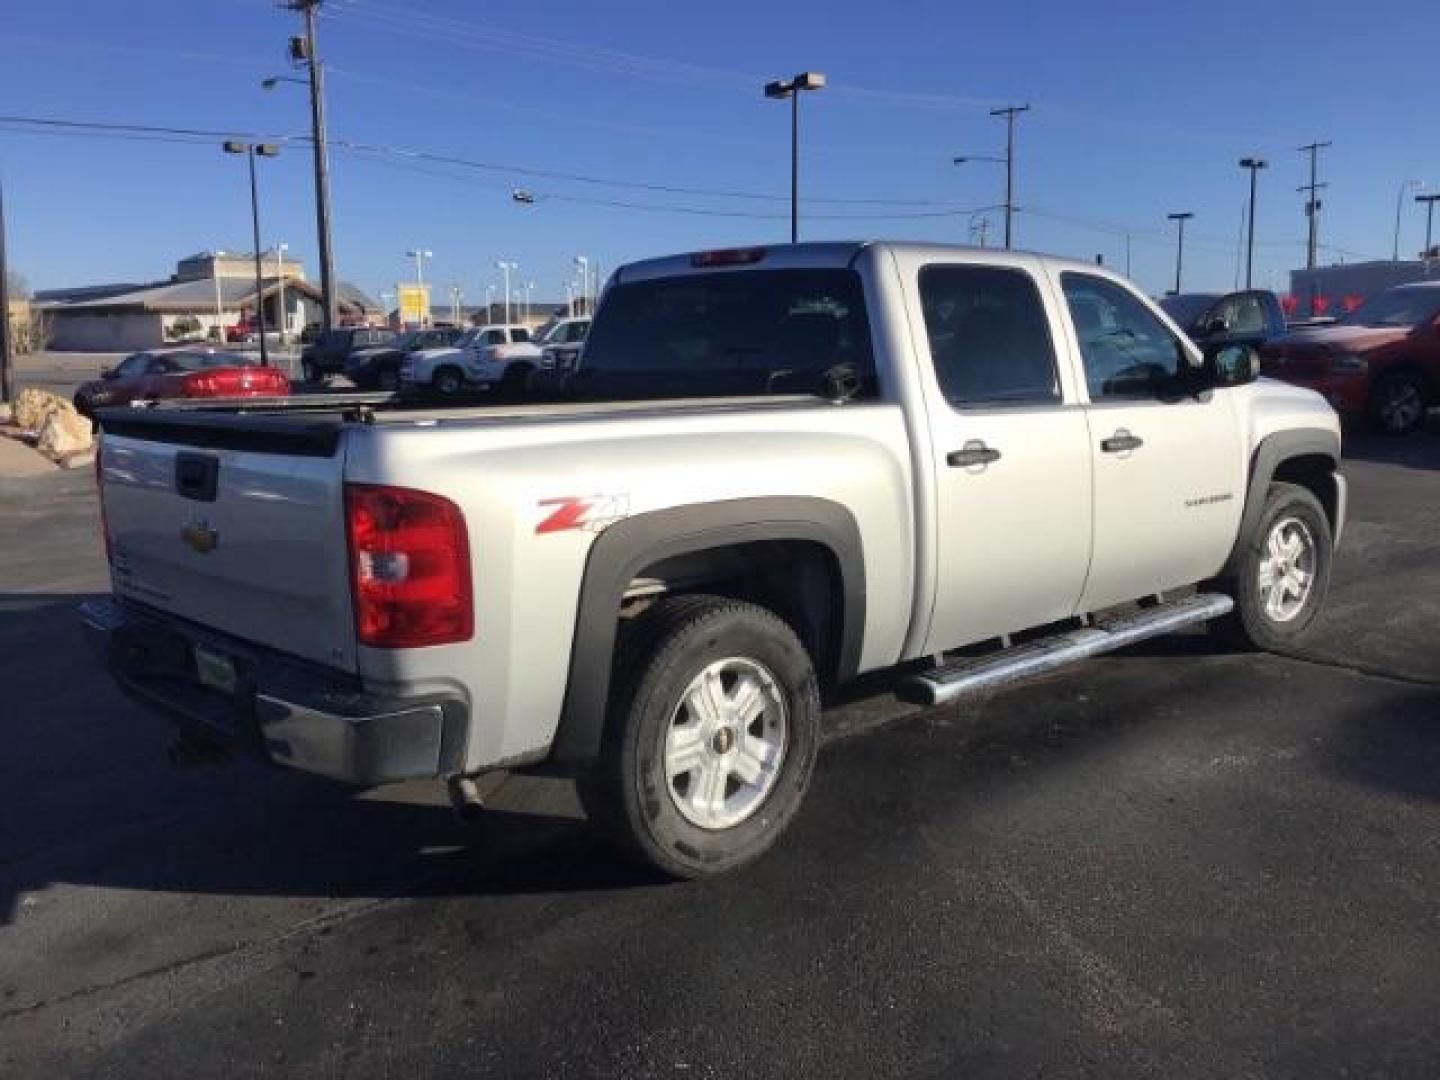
1179	219
1254	165
7	387
506	267
583	265
280	249
779	90
251	152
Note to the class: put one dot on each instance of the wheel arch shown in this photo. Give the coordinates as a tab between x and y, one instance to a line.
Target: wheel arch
628	547
1309	457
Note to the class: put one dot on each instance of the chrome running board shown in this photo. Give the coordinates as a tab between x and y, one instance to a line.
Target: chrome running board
947	682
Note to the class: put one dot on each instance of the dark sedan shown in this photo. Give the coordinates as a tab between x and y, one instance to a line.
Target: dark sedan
378	367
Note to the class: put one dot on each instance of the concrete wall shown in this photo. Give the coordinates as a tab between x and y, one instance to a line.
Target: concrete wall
88	332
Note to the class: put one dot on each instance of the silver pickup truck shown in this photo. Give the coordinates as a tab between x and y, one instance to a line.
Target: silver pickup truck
775	469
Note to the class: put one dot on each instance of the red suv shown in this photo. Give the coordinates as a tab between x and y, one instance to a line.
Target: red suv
1381	361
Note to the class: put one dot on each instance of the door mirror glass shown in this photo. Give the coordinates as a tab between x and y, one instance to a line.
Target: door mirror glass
1233	365
1215	323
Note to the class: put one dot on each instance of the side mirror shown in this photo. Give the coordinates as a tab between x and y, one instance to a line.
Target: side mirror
1232	365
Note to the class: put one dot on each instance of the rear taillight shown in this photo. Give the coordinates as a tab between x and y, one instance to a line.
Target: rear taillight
200	386
409	567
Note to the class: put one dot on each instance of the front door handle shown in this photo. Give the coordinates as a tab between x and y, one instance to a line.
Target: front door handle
974	452
1121	442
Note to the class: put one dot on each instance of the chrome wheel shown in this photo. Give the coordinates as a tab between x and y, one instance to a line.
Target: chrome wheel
1401	405
725	743
1287	569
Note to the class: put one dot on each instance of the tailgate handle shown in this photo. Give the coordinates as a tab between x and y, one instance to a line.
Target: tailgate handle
196	476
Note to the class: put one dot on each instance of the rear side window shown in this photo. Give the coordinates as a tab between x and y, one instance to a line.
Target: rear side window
989	336
732	333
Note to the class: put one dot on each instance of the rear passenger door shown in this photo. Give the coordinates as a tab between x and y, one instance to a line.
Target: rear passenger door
1169	469
1011	463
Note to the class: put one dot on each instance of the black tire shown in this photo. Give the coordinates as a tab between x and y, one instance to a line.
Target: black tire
1397	402
1252	625
627	793
388	378
515	378
83	406
449	380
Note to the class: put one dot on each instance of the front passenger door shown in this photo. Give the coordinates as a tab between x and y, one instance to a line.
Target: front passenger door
1169	467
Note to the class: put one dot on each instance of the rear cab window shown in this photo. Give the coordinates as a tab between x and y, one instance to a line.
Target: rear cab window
989	336
751	332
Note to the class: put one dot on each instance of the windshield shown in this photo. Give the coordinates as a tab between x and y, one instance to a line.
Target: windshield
709	335
547	331
1187	309
467	339
1399	308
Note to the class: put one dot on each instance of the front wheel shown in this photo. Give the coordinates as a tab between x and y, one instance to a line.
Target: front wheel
1397	404
1282	573
449	381
515	378
711	741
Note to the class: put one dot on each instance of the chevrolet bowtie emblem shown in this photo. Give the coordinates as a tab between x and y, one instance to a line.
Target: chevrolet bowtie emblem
199	535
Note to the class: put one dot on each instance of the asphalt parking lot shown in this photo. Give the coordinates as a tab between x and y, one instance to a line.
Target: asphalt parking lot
1170	862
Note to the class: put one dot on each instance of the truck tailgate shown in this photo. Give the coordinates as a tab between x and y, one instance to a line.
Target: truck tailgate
251	543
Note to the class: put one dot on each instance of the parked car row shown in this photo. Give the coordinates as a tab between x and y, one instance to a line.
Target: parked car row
446	360
1380	362
163	374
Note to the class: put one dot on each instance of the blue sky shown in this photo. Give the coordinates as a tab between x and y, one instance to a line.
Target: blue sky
1138	109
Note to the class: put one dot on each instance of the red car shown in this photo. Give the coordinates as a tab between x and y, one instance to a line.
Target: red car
1381	361
181	373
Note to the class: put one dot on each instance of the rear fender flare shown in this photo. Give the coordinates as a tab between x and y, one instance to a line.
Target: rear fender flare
628	546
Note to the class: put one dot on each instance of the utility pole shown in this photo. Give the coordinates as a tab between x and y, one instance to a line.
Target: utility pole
304	49
984	229
1254	164
7	376
1312	212
1429	201
251	152
1179	219
1009	112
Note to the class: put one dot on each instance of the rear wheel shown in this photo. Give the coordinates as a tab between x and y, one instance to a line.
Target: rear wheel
1282	573
449	380
1397	404
711	741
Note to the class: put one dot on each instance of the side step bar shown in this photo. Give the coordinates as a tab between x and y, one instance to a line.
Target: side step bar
947	682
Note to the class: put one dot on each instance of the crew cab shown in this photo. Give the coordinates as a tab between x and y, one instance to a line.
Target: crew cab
1381	361
775	469
497	355
326	355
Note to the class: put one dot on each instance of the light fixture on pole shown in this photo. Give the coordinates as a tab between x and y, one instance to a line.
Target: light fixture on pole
1254	164
251	152
779	90
506	268
1179	219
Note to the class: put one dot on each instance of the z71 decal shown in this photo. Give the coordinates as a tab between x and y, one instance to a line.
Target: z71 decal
591	513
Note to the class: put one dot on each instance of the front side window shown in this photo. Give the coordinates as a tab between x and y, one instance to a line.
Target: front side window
1126	350
519	333
494	337
989	336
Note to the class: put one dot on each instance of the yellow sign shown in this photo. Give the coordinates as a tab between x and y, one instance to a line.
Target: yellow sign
414	303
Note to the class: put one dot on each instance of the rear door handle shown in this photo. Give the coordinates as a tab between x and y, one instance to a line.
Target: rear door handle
974	452
1121	442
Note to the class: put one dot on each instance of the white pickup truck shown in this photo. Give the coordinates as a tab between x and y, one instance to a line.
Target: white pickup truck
774	470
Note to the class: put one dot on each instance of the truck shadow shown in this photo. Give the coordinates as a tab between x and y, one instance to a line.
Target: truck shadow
87	795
